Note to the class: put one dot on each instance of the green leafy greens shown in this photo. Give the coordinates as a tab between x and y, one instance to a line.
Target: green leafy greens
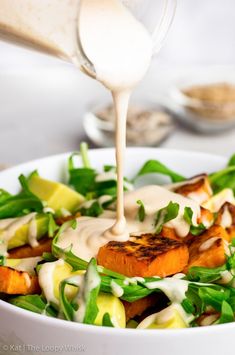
194	229
141	212
156	167
165	215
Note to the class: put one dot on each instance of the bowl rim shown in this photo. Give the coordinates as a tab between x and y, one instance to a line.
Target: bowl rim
92	329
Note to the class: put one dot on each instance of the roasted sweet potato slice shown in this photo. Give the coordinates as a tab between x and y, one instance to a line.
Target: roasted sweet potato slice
226	218
198	189
15	282
208	249
206	218
145	255
27	251
170	233
137	308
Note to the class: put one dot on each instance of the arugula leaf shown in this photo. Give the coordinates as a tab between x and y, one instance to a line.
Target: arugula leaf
165	215
188	217
188	306
224	178
91	292
232	161
131	292
67	307
154	166
20	204
95	210
25	186
194	300
205	275
227	314
48	257
108	168
34	303
4	196
213	297
67	255
106	321
52	226
141	212
231	302
84	155
16	206
230	263
82	179
2	260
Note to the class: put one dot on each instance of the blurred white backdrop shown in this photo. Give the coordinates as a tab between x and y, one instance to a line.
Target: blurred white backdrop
42	99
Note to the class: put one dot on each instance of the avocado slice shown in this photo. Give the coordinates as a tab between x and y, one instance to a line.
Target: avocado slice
110	304
21	236
171	317
58	196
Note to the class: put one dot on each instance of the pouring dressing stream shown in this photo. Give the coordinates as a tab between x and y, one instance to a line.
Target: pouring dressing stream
120	49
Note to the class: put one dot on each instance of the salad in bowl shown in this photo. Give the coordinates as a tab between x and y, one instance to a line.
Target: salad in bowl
175	270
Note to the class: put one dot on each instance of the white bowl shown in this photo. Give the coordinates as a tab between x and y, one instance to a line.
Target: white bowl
23	332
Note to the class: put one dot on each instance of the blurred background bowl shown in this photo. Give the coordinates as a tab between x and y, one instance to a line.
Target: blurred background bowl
204	99
147	125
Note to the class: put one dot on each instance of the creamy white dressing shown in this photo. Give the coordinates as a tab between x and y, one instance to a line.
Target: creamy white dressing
87	238
116	289
179	276
46	280
91	233
26	264
107	176
175	289
10	226
65	213
101	200
226	277
215	203
104	199
27	279
226	220
121	57
199	196
165	316
48	210
227	248
85	288
154	198
208	244
32	233
138	279
209	320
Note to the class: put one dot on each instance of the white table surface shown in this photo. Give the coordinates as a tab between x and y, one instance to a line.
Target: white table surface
41	109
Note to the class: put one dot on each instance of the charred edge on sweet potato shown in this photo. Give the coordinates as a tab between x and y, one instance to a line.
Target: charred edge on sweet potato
214	255
145	255
201	187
